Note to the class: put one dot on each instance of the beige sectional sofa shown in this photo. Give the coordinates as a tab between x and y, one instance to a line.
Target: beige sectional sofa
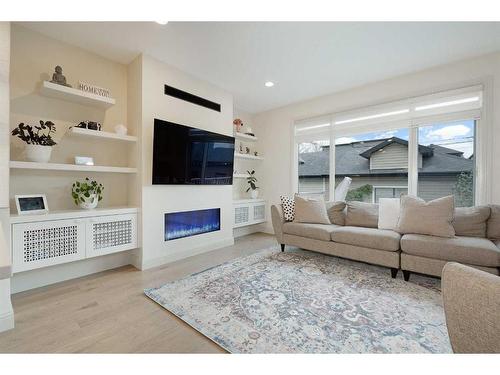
409	252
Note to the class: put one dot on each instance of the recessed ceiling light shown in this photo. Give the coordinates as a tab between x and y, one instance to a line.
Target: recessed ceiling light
161	22
269	84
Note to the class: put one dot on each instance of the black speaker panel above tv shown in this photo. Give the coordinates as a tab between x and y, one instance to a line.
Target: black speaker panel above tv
191	98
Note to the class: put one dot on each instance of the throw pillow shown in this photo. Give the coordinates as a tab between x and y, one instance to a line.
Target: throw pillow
288	204
336	212
471	221
494	223
362	214
388	213
433	218
310	210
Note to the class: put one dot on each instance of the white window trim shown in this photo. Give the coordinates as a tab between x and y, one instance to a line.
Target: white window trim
386	187
483	138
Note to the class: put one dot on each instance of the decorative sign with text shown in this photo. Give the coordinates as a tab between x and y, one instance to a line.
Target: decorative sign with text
93	89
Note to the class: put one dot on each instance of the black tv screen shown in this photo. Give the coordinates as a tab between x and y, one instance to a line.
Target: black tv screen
189	156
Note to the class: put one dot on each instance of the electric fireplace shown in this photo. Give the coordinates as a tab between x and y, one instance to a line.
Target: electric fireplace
191	223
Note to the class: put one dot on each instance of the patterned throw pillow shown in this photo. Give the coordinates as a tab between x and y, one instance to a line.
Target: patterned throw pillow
288	204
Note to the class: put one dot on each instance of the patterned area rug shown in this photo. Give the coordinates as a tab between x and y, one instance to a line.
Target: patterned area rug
304	302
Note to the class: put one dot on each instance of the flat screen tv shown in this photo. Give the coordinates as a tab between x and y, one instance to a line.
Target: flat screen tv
188	156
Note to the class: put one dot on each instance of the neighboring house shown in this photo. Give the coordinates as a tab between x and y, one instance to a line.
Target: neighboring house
379	169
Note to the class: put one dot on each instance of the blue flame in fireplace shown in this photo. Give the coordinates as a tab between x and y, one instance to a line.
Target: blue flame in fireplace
191	223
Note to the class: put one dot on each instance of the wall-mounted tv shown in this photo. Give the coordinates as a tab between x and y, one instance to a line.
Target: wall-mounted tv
183	155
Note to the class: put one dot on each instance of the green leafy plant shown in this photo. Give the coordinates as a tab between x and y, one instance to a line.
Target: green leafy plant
36	135
85	189
464	189
360	193
251	180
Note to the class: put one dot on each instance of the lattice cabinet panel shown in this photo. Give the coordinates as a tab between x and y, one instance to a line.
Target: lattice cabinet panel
241	215
41	244
249	213
110	234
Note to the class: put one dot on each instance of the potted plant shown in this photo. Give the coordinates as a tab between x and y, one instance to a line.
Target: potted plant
38	140
251	180
87	194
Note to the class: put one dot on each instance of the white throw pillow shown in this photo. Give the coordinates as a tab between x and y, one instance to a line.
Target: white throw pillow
388	213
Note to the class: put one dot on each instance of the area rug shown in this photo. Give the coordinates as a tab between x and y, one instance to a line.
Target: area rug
304	302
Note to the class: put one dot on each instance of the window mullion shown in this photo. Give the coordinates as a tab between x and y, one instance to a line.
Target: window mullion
413	160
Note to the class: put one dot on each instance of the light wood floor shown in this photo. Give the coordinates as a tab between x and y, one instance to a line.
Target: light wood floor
109	313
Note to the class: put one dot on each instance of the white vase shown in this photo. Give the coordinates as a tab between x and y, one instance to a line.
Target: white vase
37	153
90	202
254	193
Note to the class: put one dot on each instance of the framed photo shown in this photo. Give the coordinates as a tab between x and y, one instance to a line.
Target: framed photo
31	204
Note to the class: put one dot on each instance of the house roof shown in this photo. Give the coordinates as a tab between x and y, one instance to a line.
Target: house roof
349	161
424	150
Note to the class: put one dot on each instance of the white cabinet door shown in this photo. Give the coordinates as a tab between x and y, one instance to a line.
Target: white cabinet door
47	243
111	234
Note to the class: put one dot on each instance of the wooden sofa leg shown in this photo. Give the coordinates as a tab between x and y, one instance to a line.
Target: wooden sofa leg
406	275
394	272
282	247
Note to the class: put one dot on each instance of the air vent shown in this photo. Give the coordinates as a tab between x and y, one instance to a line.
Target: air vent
191	98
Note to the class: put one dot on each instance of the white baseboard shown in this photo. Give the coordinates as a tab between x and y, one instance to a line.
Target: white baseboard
172	257
50	275
6	322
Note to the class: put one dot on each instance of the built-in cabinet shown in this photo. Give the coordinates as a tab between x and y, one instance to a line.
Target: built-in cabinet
52	239
249	212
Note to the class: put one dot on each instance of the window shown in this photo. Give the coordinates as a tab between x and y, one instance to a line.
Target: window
375	162
417	145
450	167
314	168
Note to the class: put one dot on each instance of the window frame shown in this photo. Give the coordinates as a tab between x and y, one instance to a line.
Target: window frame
482	137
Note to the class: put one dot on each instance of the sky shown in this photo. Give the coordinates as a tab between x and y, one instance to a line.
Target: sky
457	135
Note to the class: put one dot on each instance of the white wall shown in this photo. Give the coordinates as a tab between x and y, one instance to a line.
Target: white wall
6	312
275	127
158	200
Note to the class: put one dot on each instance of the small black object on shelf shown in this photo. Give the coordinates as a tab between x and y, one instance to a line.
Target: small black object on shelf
91	125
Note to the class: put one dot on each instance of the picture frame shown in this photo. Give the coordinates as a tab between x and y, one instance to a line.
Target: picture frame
30	204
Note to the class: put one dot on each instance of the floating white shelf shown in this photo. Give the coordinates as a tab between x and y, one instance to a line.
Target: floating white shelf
244	201
240	175
72	214
70	94
247	156
245	137
69	167
80	132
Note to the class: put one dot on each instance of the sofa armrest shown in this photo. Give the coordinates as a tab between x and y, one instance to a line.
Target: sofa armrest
278	220
471	303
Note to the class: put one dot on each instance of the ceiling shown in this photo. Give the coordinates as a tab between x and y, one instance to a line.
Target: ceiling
303	59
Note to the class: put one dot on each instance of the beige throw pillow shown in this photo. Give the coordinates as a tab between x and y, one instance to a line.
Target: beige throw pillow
494	223
433	218
310	210
336	212
361	214
471	221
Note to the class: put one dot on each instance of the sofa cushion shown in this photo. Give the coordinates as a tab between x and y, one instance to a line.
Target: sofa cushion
433	218
310	210
373	238
361	214
470	250
336	212
471	221
493	224
316	231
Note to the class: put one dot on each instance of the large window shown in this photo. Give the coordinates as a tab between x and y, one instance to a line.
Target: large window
420	146
449	169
